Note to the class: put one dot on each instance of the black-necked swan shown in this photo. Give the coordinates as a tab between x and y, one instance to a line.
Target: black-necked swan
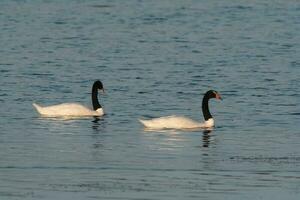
74	109
180	122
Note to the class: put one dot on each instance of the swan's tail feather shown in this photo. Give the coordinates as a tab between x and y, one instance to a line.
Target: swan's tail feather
144	122
37	107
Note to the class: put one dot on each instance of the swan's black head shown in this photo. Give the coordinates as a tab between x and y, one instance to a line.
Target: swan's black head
98	85
208	95
213	94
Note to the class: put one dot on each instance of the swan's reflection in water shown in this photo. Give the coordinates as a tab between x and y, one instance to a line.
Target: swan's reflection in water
179	138
164	139
96	123
206	138
98	126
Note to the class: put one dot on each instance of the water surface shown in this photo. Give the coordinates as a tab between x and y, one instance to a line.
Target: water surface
154	58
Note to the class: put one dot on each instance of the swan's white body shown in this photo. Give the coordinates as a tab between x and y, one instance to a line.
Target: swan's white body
176	122
67	109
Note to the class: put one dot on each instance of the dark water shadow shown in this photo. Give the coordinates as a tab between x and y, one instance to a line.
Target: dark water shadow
102	6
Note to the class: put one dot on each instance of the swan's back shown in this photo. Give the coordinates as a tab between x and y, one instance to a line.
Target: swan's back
67	109
172	122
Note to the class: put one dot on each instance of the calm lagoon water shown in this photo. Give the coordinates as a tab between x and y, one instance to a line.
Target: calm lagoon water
155	58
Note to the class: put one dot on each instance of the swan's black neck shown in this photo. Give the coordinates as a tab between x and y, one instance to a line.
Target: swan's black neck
96	104
205	109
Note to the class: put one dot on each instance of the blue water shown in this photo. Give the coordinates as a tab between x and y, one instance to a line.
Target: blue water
155	58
